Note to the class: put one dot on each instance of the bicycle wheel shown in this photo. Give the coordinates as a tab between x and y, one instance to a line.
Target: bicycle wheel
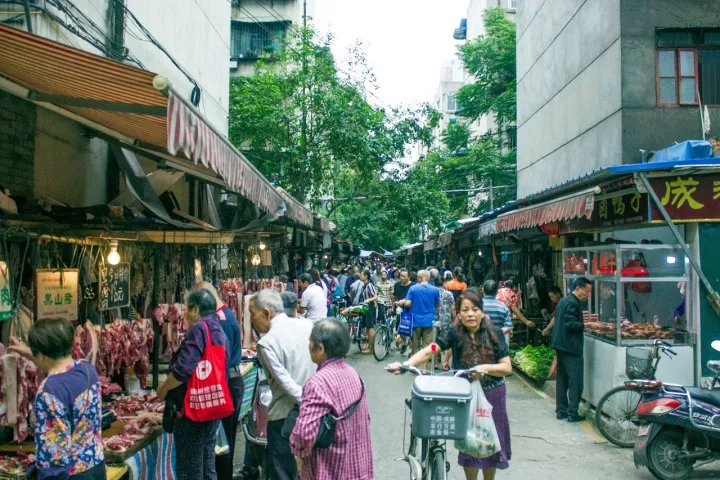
437	468
616	416
381	346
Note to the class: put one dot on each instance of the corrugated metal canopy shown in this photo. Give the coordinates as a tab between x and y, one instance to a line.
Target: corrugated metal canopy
120	98
107	92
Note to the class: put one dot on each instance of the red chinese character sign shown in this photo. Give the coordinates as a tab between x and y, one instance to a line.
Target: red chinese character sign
56	294
688	197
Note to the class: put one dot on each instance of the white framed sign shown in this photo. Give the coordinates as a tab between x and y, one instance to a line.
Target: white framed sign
56	294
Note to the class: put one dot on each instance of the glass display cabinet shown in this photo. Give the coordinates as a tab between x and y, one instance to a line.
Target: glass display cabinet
640	293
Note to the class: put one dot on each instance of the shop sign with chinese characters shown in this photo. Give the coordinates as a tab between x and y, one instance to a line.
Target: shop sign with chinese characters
631	208
5	298
688	197
56	294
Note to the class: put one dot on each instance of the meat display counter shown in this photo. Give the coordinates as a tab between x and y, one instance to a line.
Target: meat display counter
640	293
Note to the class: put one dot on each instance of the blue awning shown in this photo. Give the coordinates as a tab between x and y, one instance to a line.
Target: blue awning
653	166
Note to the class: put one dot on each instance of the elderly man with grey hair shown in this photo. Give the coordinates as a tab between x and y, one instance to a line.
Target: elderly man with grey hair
424	302
283	353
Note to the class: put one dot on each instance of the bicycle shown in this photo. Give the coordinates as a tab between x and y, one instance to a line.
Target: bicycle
356	329
387	339
615	416
432	463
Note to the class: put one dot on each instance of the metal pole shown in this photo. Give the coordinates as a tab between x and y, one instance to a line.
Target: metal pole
156	326
28	22
676	233
492	203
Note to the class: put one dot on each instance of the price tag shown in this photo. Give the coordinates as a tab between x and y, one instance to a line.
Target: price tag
114	286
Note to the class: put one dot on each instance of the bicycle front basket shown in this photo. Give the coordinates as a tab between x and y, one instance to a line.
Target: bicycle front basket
440	407
638	363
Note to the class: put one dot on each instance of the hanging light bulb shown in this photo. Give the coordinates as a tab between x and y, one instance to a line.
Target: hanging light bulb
113	257
262	245
255	260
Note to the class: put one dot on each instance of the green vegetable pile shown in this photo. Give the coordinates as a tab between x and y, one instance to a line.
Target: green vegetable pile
535	362
359	309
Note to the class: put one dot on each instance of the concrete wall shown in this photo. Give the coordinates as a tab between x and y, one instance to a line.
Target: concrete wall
17	143
645	125
69	166
569	95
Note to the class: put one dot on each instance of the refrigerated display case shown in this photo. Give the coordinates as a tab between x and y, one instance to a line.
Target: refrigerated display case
639	293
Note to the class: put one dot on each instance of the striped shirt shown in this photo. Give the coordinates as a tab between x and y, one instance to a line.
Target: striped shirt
498	312
334	387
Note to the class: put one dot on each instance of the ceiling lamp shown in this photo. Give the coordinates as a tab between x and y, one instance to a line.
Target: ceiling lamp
113	257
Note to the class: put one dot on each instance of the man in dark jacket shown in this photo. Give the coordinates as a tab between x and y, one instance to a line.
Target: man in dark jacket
567	340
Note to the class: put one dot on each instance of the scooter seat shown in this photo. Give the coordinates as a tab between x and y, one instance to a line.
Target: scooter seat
702	395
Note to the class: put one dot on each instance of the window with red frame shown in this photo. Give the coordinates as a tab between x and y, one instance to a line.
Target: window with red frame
688	67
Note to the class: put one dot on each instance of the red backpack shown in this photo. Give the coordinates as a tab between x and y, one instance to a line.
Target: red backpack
208	395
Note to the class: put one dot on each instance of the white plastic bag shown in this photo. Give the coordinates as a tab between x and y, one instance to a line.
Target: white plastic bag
481	440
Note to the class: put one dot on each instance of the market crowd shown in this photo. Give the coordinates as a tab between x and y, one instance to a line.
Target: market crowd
318	419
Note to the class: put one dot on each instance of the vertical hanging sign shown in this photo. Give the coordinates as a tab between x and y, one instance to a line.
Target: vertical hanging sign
114	286
56	294
5	296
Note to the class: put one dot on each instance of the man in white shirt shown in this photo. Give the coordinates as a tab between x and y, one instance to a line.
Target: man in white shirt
284	354
314	298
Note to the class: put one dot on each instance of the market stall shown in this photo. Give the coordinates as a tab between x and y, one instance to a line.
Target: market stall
639	294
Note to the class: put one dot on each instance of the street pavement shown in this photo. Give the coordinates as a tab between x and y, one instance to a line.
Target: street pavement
543	447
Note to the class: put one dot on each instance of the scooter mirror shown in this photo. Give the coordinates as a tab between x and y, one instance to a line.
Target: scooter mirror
716	345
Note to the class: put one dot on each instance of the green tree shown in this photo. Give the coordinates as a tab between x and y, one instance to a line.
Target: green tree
490	159
490	59
305	122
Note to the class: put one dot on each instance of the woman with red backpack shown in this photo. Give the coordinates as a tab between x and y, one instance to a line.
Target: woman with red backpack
197	384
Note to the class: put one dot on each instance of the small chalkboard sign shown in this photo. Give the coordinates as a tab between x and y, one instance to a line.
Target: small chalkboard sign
114	286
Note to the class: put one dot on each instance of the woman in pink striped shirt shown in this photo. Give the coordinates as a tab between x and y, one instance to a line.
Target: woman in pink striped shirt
333	388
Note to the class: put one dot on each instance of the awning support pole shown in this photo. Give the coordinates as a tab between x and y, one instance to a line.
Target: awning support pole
713	296
157	264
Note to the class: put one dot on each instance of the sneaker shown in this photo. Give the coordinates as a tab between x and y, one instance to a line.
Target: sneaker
561	416
247	473
575	419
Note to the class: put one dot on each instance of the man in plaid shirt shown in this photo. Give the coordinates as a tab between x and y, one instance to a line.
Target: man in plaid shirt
333	388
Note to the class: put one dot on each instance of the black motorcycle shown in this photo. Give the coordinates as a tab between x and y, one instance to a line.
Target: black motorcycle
679	426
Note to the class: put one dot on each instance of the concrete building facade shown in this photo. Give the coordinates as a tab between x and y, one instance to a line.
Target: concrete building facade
590	88
187	41
260	27
452	77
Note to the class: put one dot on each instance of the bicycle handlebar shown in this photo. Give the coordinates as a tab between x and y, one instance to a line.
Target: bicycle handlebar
664	346
420	372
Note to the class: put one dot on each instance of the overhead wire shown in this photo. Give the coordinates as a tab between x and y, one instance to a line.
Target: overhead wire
213	26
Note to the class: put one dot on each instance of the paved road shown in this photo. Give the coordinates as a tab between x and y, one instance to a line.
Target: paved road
543	447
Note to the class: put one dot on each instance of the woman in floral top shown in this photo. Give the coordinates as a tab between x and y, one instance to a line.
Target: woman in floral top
67	407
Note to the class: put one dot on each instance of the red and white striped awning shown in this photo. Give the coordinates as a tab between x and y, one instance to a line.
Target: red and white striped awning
578	205
199	143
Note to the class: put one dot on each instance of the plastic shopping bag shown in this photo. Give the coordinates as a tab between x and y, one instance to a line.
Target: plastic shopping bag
405	326
481	440
222	447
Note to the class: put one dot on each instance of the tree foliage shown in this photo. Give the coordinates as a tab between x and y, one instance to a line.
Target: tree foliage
477	162
309	125
490	59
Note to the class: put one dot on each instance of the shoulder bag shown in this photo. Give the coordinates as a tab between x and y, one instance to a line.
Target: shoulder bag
326	430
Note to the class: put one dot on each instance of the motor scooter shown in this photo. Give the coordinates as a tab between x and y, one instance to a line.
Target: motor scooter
679	426
254	426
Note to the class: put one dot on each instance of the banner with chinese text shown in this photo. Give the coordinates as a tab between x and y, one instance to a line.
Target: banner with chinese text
688	197
56	294
627	209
